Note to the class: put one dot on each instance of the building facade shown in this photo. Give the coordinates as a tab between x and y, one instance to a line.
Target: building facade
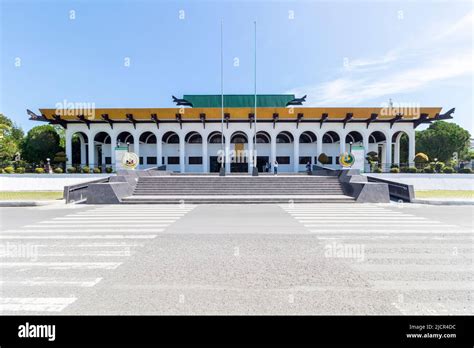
192	137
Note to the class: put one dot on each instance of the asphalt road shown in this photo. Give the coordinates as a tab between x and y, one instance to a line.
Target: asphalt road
237	259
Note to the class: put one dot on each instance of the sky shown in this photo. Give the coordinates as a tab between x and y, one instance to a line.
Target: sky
135	54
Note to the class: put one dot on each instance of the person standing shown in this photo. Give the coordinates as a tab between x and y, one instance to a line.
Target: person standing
308	168
275	167
267	167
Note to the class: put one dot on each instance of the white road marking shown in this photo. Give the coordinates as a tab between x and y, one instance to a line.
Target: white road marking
35	304
55	281
59	229
62	265
67	236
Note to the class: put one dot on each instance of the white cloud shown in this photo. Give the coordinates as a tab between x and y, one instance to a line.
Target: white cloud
362	79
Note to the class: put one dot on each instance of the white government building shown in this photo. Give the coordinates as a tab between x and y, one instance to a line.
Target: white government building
188	138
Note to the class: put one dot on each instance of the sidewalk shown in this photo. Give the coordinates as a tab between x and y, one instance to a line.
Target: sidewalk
444	201
29	203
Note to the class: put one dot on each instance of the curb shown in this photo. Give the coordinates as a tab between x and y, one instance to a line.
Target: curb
24	203
435	202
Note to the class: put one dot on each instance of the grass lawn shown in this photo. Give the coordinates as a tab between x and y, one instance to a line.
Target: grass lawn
459	194
30	195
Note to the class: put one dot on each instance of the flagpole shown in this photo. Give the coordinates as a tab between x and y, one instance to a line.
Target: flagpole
222	169
255	169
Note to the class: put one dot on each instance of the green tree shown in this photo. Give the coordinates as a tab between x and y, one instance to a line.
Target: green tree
442	139
40	143
11	137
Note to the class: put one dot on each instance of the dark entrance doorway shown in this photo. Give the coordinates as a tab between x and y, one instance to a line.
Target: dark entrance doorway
261	162
214	165
241	167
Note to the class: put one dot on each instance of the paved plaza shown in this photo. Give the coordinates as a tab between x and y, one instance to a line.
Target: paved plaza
237	259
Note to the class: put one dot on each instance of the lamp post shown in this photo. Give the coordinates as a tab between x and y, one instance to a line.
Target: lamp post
48	165
350	147
128	146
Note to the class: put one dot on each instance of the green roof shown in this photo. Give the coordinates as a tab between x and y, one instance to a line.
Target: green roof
239	100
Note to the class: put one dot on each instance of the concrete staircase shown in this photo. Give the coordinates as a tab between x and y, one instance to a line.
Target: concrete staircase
237	189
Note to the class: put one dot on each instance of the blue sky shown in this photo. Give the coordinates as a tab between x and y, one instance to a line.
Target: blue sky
339	53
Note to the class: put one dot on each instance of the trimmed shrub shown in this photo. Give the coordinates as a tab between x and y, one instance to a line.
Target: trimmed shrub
465	171
404	169
420	157
9	170
323	158
448	170
86	169
411	170
39	170
428	169
97	170
419	170
394	170
394	166
58	170
377	170
2	171
439	166
60	157
71	170
20	170
109	170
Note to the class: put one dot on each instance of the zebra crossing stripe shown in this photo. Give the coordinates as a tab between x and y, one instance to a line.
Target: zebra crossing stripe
60	282
35	304
67	236
62	265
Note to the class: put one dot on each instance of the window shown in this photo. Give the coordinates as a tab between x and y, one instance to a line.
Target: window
283	159
337	160
304	160
141	160
151	160
329	159
195	160
108	160
173	160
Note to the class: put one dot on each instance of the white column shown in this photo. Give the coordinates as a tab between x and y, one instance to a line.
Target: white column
365	143
83	151
250	159
91	150
296	154
388	154
319	147
205	157
68	144
396	150
136	147
159	149
113	145
182	157
383	160
273	149
411	149
227	153
342	144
